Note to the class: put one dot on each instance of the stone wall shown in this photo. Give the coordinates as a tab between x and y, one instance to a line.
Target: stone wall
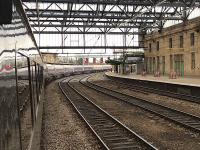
158	59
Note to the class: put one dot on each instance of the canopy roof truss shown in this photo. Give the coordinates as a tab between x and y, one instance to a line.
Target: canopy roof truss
104	17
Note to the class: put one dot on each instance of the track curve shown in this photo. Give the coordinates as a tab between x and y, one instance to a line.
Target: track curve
110	132
186	120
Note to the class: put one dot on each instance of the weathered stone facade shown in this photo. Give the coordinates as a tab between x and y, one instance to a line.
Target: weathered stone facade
175	49
49	58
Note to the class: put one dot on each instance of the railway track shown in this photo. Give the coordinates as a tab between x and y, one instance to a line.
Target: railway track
110	132
186	120
127	86
146	90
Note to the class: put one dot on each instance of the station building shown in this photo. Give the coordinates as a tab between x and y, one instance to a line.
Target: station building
175	49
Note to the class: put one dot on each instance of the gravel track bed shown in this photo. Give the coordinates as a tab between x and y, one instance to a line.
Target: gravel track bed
178	104
62	127
26	126
163	134
25	114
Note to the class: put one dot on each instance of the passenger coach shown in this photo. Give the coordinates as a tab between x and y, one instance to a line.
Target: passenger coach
21	78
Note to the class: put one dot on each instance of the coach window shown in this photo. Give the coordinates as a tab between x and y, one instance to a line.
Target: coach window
40	77
37	83
9	110
24	98
34	88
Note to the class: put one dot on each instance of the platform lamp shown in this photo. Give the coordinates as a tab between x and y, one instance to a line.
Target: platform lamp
5	12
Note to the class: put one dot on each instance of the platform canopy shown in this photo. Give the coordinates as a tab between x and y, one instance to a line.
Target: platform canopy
94	26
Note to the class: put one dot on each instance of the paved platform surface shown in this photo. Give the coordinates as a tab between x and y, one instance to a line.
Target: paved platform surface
181	81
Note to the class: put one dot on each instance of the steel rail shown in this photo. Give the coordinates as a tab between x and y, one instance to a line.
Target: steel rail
110	132
187	97
186	120
129	87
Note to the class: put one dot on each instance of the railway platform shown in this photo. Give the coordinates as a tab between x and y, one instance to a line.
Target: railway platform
183	87
185	81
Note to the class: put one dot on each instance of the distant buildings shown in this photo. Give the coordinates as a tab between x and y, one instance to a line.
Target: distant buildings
55	58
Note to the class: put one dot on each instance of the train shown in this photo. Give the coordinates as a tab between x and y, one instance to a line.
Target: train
58	71
23	75
21	79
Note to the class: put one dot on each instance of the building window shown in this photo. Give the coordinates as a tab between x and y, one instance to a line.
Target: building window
154	64
192	39
181	41
171	62
150	65
163	65
170	42
158	63
149	47
179	64
157	45
193	60
146	62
